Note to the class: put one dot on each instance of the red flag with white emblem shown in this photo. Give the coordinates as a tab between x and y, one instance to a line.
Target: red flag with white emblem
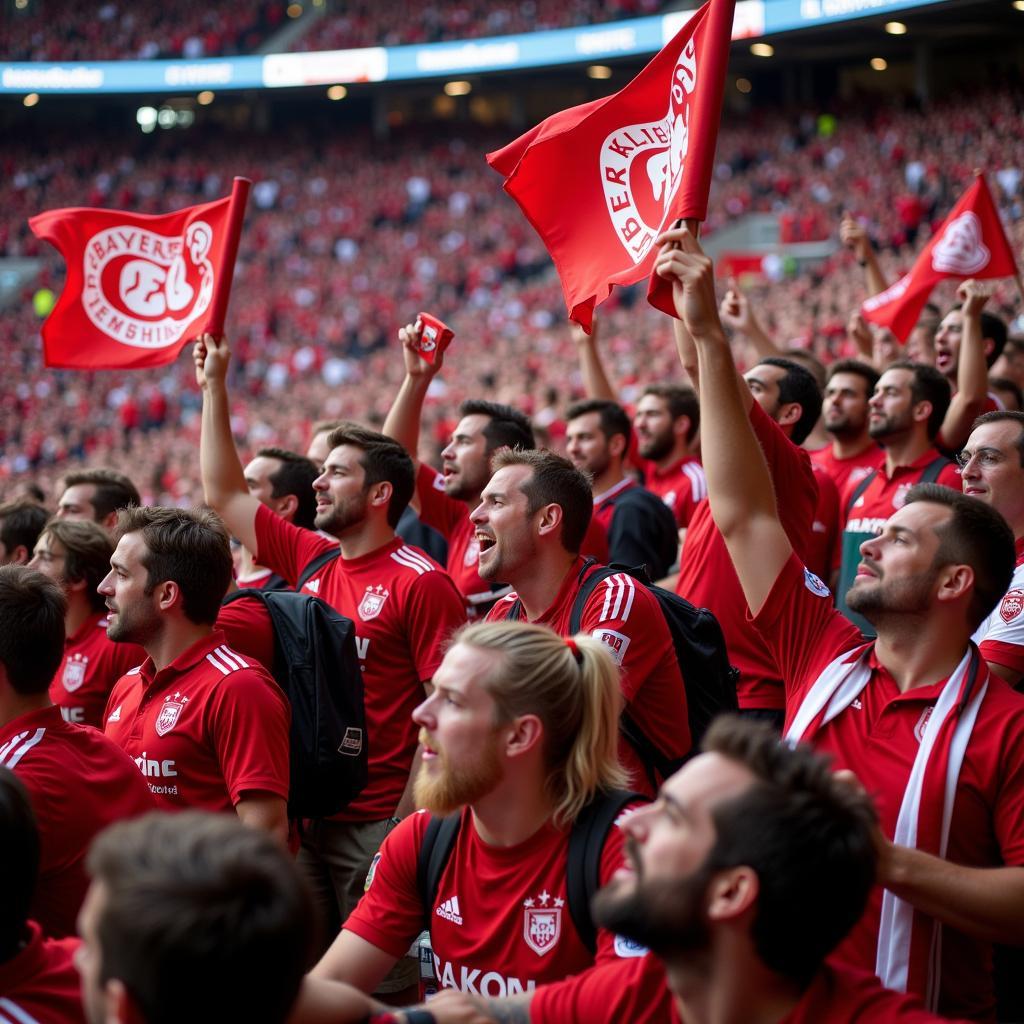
970	243
599	182
139	287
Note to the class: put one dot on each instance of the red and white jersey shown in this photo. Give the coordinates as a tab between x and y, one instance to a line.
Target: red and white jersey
79	783
625	616
40	984
824	542
682	486
878	737
707	577
637	991
500	924
206	729
850	471
404	606
1001	635
90	667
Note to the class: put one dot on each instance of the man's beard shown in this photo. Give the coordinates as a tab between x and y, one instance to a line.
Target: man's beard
443	789
666	916
656	447
137	628
336	519
909	595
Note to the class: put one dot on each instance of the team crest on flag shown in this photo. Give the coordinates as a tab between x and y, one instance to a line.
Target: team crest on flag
74	672
372	602
960	249
144	289
542	922
169	714
1012	605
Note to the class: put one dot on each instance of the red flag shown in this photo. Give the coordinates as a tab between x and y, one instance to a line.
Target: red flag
970	243
139	287
599	182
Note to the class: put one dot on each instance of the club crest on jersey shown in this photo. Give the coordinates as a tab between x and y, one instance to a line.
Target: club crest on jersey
372	602
615	641
899	499
542	922
1012	605
960	250
472	555
74	672
169	714
143	289
641	165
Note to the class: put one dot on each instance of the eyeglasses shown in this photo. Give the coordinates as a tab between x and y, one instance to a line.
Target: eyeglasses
988	458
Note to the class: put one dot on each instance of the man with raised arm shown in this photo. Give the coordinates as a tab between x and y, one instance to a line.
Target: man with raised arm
445	499
932	735
403	604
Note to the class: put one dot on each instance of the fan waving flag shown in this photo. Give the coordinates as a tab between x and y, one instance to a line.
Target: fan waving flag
139	287
599	182
970	243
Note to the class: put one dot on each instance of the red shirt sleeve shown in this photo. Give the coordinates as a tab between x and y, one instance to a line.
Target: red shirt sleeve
247	626
285	547
949	476
249	725
435	610
436	508
390	914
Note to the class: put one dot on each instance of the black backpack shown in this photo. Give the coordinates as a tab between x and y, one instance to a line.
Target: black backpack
709	679
315	663
582	874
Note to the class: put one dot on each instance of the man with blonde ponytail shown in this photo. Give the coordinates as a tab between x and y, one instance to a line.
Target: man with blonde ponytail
519	736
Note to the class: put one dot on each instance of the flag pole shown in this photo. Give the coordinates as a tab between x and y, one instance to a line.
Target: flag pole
222	290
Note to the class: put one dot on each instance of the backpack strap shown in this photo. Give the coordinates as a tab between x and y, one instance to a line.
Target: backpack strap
313	567
435	851
515	611
931	472
586	847
588	584
859	490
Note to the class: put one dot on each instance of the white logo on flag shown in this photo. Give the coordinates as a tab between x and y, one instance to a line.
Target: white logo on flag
143	289
960	250
642	164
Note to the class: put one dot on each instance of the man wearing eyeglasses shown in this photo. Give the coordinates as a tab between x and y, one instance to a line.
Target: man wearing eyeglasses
992	470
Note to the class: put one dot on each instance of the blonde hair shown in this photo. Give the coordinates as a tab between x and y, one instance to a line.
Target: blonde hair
577	701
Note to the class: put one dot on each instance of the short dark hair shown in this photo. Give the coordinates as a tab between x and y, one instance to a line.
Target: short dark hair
681	401
19	861
21	522
88	548
612	418
798	386
978	536
1005	384
190	547
554	481
1004	416
327	425
508	427
294	476
114	490
857	367
800	828
194	901
927	385
383	459
32	611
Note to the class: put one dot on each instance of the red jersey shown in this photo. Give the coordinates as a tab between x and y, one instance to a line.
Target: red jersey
682	486
851	470
90	667
404	606
205	730
625	615
40	984
246	624
878	737
79	783
637	991
821	554
500	924
1001	636
707	577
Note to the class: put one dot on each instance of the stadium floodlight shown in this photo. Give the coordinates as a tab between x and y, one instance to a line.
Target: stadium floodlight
294	10
743	85
31	99
896	28
205	98
460	88
337	92
599	71
145	118
762	49
166	117
1018	5
879	63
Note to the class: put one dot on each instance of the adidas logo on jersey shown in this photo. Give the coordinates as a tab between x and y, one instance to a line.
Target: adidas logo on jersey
449	910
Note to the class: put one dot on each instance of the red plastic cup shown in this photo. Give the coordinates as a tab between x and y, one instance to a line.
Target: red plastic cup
434	337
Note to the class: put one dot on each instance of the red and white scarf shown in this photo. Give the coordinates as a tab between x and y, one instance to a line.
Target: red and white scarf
909	945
